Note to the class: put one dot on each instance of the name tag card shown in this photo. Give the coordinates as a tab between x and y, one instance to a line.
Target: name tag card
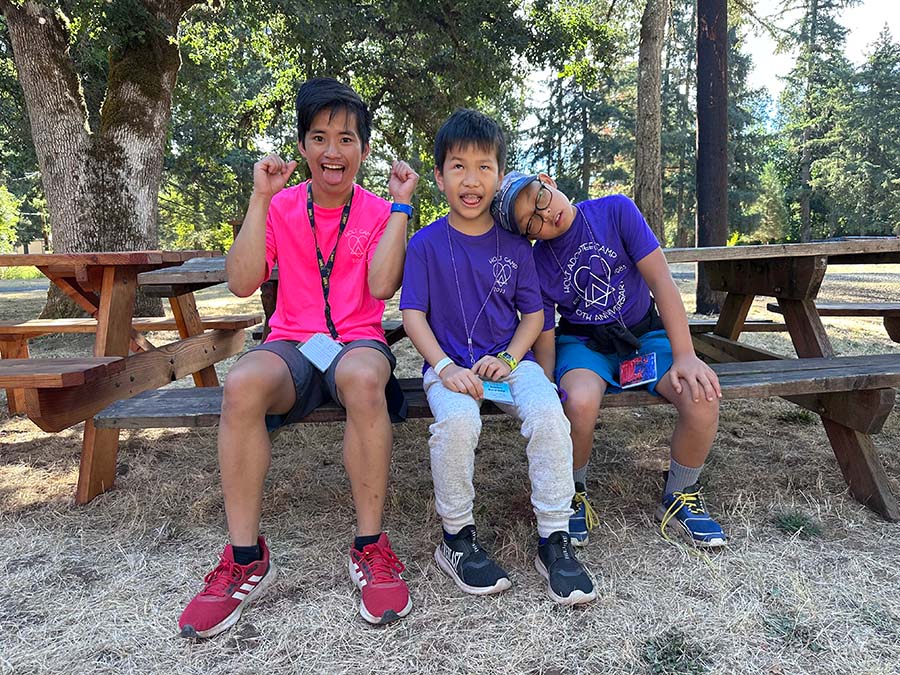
637	371
498	392
321	350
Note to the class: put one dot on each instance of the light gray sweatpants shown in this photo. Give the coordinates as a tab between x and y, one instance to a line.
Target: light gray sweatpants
454	436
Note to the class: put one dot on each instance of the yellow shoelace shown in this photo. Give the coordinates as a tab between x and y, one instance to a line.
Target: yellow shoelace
693	502
591	520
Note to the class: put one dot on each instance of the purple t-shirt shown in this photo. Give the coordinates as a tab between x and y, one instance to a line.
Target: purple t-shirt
590	273
495	270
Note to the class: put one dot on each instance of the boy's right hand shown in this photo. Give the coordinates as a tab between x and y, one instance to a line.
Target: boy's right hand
462	380
271	174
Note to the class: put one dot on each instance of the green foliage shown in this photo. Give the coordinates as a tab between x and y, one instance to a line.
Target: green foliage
9	219
795	523
770	209
672	653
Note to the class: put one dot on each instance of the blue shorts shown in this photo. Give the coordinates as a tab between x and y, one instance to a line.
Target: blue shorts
313	388
572	352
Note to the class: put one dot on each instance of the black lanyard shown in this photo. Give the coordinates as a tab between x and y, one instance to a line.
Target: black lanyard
326	267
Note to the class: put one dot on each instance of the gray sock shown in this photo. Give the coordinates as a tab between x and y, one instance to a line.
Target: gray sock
580	475
681	477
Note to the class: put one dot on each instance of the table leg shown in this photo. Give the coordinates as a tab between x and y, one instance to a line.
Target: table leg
184	307
100	446
734	313
855	452
15	349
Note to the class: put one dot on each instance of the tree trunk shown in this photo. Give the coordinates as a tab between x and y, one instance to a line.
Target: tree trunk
806	146
648	161
101	184
712	138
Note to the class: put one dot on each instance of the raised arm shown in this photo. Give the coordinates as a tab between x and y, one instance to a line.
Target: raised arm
245	264
386	268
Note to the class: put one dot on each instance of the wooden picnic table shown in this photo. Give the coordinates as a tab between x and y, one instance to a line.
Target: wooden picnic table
793	274
841	390
58	393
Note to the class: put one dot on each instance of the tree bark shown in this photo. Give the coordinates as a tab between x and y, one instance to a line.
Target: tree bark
806	146
712	139
648	157
101	184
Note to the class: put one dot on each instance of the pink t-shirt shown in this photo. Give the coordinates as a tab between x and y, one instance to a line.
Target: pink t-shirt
300	307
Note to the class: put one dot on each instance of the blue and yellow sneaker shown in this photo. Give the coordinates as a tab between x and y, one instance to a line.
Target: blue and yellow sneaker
686	510
584	519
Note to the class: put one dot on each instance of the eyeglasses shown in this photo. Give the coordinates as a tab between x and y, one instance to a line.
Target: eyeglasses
541	203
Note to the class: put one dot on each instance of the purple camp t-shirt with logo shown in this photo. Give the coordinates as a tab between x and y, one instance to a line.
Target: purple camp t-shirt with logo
504	282
589	273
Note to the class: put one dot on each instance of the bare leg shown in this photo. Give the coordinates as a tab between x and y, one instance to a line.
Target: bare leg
361	377
696	427
259	383
585	390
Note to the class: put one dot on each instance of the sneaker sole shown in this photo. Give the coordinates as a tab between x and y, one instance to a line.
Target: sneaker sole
576	597
226	623
501	585
685	533
388	617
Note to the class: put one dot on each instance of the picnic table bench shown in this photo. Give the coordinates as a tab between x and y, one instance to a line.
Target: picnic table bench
852	395
888	311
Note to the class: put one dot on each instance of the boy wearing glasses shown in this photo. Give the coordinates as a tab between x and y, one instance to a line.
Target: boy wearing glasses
465	283
601	268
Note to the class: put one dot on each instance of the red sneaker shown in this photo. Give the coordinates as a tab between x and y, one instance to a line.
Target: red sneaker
376	572
229	588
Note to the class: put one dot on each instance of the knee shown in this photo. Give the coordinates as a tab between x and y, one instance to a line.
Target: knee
362	389
460	427
245	392
582	405
702	413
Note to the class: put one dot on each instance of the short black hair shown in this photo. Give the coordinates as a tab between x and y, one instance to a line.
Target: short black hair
326	93
467	127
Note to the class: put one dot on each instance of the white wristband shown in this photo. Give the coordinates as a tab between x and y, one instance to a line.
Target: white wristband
440	365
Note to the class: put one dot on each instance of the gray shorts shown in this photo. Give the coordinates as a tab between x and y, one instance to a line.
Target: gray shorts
313	387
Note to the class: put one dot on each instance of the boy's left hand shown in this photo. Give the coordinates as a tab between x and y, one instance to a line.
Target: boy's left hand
698	376
491	368
402	182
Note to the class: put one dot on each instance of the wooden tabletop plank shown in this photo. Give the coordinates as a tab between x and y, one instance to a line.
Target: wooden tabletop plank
888	249
35	327
101	258
199	273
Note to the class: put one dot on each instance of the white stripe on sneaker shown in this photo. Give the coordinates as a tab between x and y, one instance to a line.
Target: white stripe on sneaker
255	578
237	595
248	587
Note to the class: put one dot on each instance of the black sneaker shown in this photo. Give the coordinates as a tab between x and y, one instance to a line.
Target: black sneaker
567	581
464	561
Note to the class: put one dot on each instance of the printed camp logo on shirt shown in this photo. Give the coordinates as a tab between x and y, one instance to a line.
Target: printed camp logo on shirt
502	268
357	241
588	275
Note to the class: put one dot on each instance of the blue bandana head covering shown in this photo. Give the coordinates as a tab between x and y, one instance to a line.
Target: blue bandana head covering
503	206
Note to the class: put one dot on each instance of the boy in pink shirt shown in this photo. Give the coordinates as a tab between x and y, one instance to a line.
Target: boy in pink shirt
340	253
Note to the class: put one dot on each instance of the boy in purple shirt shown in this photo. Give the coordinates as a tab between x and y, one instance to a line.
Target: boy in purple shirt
601	267
465	283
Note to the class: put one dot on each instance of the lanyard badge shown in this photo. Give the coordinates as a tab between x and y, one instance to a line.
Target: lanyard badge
638	370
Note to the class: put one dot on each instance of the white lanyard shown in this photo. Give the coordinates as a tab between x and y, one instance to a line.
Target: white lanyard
462	308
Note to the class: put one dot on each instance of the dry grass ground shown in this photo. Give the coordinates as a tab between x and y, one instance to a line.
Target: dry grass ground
809	583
